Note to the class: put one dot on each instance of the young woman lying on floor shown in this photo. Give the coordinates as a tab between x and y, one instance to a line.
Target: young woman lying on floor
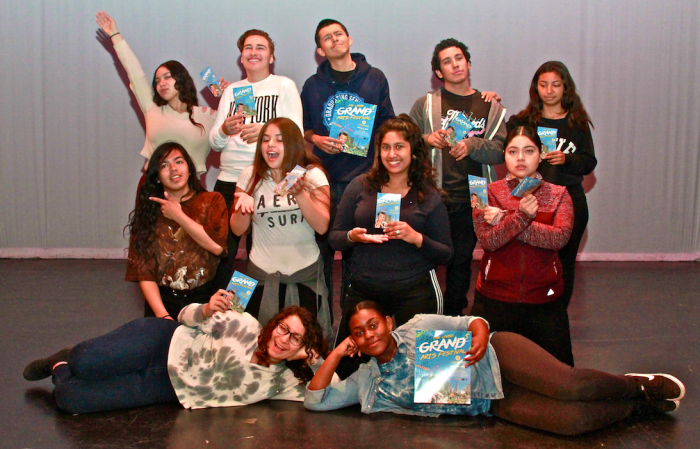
512	378
216	358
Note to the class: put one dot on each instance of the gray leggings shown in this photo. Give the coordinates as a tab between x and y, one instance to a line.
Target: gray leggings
543	393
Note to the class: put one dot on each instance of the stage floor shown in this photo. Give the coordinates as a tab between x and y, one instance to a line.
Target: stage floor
625	317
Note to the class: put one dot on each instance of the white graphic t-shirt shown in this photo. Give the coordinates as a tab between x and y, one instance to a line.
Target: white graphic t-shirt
282	239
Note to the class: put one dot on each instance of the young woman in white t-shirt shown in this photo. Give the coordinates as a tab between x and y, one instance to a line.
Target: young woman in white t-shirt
284	258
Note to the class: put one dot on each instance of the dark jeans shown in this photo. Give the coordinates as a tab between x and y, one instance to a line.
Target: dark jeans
543	393
176	300
328	253
125	368
568	253
545	324
225	270
459	271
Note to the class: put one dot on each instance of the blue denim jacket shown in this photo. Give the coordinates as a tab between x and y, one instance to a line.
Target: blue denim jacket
389	387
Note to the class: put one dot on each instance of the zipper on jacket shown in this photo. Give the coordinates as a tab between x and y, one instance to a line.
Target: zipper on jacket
486	270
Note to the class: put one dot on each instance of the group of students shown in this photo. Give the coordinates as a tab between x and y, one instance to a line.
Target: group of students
192	349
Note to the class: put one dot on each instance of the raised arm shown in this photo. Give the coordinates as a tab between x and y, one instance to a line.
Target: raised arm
140	85
321	395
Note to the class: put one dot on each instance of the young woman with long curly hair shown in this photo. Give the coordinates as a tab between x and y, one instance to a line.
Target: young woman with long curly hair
177	234
212	357
394	265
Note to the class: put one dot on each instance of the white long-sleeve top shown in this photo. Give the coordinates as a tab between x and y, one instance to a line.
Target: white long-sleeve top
275	96
164	124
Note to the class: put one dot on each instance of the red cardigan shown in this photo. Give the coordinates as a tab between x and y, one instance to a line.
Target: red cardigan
520	262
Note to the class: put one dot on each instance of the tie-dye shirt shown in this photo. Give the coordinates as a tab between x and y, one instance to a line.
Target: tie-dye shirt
209	363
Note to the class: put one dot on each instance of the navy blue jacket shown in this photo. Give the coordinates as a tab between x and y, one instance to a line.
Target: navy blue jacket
366	84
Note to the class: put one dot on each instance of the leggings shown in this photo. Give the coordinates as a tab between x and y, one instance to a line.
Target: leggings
568	253
545	394
125	368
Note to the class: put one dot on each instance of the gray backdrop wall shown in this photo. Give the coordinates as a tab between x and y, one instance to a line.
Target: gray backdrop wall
70	130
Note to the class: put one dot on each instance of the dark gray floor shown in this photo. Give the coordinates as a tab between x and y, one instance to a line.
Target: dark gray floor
640	317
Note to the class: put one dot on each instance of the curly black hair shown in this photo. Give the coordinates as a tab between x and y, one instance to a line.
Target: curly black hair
184	85
313	341
142	220
421	174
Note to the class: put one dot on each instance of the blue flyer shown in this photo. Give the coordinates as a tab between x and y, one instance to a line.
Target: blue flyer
441	376
526	185
477	192
244	101
240	289
388	209
352	124
211	81
548	136
457	129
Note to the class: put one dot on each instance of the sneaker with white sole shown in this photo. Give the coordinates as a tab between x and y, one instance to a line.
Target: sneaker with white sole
660	386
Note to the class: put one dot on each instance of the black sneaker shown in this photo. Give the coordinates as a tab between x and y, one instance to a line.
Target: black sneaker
660	386
41	368
647	406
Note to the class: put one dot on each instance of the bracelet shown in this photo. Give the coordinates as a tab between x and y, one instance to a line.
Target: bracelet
113	36
166	316
349	239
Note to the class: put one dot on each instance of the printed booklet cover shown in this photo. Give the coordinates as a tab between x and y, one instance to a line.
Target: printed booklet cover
441	376
352	124
211	81
240	289
548	136
244	101
477	192
388	209
526	185
457	129
289	180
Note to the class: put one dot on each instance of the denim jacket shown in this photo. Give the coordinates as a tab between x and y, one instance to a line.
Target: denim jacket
389	387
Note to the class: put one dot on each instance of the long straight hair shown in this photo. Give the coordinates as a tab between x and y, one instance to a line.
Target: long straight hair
570	102
295	153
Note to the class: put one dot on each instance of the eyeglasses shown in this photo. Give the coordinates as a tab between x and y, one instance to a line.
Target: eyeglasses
294	339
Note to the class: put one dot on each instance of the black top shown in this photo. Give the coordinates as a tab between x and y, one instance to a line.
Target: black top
455	173
340	77
575	143
394	261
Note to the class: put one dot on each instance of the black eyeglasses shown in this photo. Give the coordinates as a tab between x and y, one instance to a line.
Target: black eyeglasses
294	339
